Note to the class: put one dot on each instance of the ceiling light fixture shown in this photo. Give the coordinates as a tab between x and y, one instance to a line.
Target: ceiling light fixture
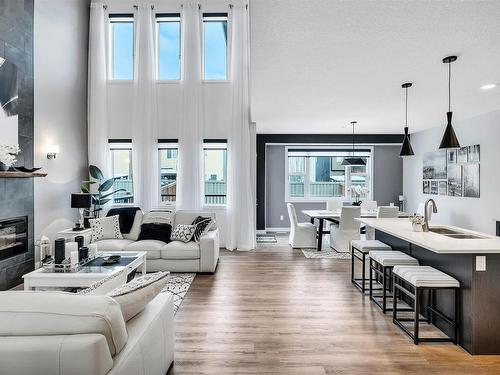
353	160
489	86
406	149
450	139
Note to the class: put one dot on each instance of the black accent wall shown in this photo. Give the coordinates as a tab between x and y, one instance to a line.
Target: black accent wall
16	194
264	139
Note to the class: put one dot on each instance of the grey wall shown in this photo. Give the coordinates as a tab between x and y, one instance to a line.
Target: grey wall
61	45
473	213
16	194
387	183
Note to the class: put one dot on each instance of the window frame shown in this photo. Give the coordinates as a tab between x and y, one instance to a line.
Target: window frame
117	18
167	144
121	144
214	144
307	177
213	15
160	18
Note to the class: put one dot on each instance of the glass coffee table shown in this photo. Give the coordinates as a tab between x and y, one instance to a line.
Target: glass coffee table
89	273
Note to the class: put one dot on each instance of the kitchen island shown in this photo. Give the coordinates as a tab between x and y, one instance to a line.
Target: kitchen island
472	258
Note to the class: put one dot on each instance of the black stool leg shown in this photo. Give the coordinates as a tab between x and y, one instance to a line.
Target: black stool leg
456	317
371	279
415	323
395	294
363	280
429	304
384	290
352	264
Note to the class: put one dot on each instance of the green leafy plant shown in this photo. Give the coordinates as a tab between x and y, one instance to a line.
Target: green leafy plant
100	194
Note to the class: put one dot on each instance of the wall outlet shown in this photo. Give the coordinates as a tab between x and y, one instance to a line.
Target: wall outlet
282	218
481	263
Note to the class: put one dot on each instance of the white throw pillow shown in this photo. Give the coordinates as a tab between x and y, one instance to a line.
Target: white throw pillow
105	228
135	295
183	232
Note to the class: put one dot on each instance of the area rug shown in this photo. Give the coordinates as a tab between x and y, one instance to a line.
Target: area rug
178	285
266	238
325	254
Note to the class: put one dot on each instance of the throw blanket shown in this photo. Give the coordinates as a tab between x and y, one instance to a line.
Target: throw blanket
126	217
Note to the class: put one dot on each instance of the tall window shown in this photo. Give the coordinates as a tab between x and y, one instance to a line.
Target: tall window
215	46
121	39
168	26
121	164
318	174
215	163
168	152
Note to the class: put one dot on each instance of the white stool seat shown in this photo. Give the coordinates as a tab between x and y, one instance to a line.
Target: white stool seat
425	277
365	246
392	258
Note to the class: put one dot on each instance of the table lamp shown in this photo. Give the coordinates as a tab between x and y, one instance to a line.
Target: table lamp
81	201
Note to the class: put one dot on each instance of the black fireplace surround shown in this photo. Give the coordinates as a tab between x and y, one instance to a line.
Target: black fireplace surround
13	237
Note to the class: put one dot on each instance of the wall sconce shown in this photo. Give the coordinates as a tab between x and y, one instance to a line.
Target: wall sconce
52	151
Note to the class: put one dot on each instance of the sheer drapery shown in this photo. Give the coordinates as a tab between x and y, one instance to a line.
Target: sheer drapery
97	115
241	206
190	180
145	119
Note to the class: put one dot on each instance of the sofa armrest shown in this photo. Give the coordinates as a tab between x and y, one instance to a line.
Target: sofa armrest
209	251
85	354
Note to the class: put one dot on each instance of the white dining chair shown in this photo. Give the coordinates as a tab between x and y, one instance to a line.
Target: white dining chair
302	235
333	205
369	205
347	230
388	212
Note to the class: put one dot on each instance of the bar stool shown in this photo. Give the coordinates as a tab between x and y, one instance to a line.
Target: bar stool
382	262
424	278
359	251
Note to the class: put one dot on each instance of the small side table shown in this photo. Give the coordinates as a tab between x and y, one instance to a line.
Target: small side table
70	234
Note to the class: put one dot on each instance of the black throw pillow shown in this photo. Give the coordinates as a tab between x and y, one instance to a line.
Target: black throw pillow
126	217
155	231
201	224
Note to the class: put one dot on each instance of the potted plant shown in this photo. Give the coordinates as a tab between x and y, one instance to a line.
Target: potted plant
100	193
8	156
356	192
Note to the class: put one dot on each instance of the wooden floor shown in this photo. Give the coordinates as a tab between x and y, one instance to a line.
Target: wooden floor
272	311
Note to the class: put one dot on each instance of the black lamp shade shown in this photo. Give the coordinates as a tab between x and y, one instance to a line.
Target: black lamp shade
353	161
406	149
80	200
450	139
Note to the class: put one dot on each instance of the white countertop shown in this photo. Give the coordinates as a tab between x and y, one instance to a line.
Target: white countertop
439	243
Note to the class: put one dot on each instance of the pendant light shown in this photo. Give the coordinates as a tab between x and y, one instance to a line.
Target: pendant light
406	149
353	160
450	139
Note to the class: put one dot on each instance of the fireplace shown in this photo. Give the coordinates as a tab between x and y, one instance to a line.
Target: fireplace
13	237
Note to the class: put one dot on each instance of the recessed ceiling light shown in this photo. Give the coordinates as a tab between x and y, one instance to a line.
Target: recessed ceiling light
489	86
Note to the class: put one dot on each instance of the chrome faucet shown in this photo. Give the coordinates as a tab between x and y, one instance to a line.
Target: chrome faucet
425	226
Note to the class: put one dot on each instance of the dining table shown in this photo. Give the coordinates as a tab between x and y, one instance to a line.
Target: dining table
334	217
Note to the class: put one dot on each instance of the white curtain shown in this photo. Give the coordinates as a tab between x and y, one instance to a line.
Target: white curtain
145	120
190	159
97	112
241	203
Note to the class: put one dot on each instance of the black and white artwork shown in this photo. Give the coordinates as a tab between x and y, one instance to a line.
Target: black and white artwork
452	156
434	187
8	103
473	154
426	187
471	180
434	165
455	180
462	155
443	188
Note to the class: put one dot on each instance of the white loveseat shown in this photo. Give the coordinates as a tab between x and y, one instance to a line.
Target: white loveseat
175	256
48	333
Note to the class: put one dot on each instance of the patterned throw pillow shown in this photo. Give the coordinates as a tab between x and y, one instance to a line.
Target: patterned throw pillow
203	225
105	228
183	232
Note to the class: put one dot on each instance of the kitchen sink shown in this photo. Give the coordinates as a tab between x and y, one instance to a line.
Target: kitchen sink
454	233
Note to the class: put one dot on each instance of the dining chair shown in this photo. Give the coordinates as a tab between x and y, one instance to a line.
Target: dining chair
347	230
387	212
302	235
369	205
333	205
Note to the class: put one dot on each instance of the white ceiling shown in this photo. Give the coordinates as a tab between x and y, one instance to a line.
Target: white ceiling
318	64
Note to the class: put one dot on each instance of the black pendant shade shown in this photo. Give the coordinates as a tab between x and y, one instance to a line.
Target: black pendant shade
353	160
450	139
406	149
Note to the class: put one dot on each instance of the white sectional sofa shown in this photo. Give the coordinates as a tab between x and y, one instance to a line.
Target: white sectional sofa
48	333
175	256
